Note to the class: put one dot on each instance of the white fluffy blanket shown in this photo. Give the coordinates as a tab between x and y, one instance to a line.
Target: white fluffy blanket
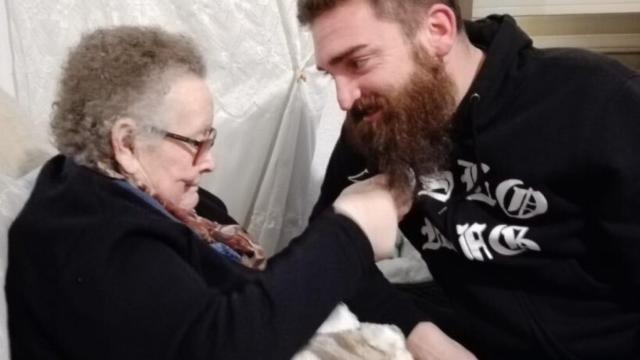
343	337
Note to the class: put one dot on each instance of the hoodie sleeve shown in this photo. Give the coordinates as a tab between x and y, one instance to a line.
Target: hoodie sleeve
615	150
376	300
213	208
345	166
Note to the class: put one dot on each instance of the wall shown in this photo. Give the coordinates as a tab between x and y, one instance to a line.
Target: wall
6	64
611	27
553	7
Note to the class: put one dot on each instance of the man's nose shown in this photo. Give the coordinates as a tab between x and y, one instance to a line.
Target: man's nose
348	92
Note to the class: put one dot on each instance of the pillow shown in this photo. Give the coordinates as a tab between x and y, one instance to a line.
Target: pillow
22	147
407	268
13	195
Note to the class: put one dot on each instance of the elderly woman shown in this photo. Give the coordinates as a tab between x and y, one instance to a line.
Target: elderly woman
109	260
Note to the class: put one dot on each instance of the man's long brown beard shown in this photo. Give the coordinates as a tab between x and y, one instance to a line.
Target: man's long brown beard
411	137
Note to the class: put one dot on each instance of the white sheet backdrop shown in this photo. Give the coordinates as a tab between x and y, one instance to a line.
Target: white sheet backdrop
273	110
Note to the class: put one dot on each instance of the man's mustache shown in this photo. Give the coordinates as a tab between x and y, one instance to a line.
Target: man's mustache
365	106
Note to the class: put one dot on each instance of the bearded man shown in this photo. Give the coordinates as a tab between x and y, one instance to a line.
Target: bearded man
522	163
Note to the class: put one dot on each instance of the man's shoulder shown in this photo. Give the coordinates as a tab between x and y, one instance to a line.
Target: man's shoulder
213	208
582	65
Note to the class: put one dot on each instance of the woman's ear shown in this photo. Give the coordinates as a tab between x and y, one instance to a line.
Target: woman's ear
438	30
123	135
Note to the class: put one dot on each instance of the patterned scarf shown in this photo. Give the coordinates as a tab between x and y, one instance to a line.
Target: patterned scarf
232	235
212	232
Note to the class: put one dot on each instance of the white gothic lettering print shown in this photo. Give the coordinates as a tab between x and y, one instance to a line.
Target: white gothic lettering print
480	241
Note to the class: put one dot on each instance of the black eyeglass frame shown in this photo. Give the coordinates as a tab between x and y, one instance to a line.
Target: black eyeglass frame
202	146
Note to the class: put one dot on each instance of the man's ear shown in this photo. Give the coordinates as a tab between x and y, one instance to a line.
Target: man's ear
123	135
438	30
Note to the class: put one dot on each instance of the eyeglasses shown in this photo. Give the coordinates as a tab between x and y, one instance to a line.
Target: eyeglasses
202	146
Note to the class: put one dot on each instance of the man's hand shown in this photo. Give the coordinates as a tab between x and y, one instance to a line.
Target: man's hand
428	342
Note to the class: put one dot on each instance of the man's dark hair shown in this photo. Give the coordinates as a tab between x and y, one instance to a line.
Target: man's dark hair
402	11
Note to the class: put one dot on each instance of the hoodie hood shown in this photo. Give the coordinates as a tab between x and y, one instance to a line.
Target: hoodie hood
504	45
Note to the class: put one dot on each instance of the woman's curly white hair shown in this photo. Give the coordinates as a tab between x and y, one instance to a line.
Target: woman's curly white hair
113	73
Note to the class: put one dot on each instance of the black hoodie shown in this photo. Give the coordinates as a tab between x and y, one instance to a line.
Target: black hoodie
534	229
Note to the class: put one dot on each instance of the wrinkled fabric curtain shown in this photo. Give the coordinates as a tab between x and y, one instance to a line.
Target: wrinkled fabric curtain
277	117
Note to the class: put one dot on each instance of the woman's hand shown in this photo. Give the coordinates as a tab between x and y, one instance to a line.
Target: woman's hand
377	210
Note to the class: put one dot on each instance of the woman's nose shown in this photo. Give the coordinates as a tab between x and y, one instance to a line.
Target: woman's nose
206	163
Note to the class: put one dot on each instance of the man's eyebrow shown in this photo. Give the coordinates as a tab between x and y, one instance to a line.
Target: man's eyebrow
340	57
